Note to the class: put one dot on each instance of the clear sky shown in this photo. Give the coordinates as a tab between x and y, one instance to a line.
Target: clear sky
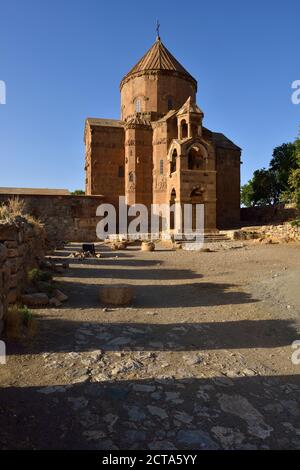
62	61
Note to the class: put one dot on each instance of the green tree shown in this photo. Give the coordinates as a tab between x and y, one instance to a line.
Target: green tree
247	194
278	182
261	190
283	162
294	178
78	192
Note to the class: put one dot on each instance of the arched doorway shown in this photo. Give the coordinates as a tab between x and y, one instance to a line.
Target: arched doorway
197	197
172	214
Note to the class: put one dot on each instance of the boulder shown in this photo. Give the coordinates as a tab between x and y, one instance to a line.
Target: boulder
118	294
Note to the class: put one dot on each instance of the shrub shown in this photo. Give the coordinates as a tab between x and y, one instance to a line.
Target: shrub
19	322
15	207
35	275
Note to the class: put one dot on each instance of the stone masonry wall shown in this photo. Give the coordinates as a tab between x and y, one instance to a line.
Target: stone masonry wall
267	215
66	218
21	245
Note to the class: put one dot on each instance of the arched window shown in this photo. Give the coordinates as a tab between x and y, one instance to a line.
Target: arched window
195	159
173	161
183	129
138	105
131	177
161	167
170	103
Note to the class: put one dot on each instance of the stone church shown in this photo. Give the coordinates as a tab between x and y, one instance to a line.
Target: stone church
159	151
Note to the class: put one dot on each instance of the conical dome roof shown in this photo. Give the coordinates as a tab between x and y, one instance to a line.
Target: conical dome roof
159	58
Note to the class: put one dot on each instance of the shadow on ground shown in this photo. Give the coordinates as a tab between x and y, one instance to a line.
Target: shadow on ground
243	413
57	335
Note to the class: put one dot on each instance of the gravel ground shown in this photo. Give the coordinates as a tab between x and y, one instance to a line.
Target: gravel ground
200	360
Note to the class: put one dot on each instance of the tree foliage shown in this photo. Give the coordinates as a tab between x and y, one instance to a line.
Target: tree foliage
280	182
78	192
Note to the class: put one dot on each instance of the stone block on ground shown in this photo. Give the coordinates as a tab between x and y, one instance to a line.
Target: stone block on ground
119	246
60	296
54	302
35	300
148	246
118	294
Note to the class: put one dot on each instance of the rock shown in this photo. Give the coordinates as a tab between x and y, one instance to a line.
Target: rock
183	417
118	294
35	300
54	389
177	246
241	407
135	435
249	372
197	439
156	411
58	294
94	435
78	403
54	302
136	414
193	359
230	438
119	246
143	388
148	246
161	445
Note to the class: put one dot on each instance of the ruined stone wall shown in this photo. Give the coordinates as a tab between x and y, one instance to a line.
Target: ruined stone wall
21	246
266	215
66	218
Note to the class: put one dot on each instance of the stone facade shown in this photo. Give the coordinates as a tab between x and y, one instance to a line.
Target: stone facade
160	152
21	245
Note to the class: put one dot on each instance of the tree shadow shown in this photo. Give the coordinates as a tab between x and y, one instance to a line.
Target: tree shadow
59	335
260	412
130	273
156	296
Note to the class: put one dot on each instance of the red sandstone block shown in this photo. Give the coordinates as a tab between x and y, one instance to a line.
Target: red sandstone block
12	296
11	244
12	253
8	232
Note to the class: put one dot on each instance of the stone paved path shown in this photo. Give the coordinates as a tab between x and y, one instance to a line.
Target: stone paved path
199	361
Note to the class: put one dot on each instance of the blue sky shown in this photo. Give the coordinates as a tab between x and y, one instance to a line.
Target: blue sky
63	60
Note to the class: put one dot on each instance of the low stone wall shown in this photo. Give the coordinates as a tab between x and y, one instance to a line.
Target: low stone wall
66	218
267	215
282	233
21	245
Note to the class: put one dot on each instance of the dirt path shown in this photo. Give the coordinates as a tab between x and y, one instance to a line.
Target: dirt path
202	359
